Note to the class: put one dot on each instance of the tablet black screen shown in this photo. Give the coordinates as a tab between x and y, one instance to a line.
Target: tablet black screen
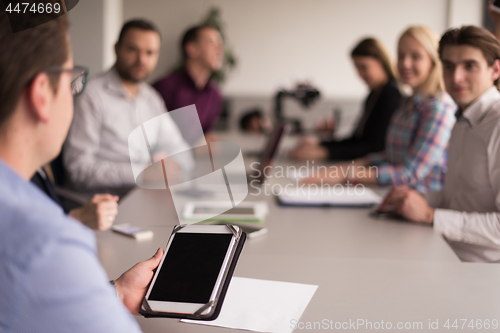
191	267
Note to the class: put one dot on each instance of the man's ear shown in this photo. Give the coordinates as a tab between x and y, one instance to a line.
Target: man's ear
496	70
39	96
116	49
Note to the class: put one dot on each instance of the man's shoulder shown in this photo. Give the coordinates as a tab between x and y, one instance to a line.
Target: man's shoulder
95	90
494	111
31	222
171	81
97	83
104	83
152	94
214	87
492	120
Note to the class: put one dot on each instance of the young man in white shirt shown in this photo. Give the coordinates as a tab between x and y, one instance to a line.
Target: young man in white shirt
467	210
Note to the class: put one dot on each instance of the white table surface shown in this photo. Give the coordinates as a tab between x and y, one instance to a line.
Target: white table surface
366	269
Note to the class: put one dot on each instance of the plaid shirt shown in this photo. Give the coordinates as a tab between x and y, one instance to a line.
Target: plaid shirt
416	144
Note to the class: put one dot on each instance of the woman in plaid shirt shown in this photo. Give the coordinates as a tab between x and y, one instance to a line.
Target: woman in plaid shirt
417	137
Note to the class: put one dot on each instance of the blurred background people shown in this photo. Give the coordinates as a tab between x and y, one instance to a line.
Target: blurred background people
203	51
467	210
255	121
418	133
375	68
96	152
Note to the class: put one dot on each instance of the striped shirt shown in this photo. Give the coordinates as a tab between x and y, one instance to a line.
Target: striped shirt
416	143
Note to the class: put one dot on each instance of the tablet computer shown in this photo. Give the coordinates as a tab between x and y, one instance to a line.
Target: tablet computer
271	152
194	273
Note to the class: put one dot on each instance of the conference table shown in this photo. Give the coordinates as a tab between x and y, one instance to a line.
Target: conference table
377	271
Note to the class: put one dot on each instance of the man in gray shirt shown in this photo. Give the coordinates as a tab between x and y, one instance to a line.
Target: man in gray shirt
467	210
96	152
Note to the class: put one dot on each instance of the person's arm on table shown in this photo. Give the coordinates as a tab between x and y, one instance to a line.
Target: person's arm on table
82	143
309	148
473	227
363	172
467	227
98	213
409	204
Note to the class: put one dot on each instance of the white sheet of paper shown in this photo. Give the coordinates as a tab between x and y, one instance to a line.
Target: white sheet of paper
340	195
262	305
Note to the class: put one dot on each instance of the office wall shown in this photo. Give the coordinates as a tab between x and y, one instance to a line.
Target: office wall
280	42
277	42
113	21
95	25
462	12
86	32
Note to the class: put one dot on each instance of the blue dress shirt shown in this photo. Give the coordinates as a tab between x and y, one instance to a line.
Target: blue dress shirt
50	277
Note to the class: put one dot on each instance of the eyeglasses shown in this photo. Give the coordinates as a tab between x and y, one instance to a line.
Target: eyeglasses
79	77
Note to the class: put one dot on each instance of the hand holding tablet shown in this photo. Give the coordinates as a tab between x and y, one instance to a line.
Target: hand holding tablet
194	273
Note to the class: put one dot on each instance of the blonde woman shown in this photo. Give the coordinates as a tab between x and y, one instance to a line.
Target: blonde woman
418	134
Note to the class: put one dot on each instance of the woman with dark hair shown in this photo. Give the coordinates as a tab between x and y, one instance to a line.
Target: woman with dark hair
375	68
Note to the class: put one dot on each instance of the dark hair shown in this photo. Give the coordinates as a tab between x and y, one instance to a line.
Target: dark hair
191	35
246	119
475	37
371	47
28	52
137	24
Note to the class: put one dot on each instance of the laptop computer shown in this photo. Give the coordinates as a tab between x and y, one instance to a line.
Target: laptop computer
270	154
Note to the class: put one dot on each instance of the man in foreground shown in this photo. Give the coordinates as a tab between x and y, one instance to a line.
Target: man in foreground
467	210
51	279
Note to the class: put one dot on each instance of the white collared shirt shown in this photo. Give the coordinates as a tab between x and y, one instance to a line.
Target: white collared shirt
96	152
468	207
